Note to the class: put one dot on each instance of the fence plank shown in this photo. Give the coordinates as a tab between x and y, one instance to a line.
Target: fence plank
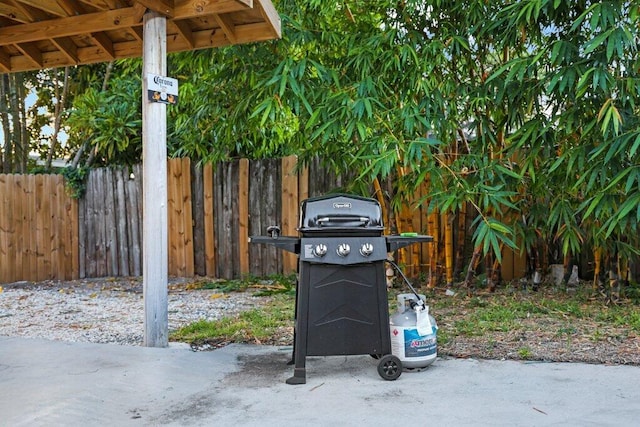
264	195
32	265
289	212
72	250
101	230
55	252
233	179
12	236
173	174
187	218
82	221
102	255
209	213
18	219
134	220
42	205
64	224
122	235
20	205
5	262
4	275
12	217
257	225
221	223
111	222
90	219
226	190
243	215
197	192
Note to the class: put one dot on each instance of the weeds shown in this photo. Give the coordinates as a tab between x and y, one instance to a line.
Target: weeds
523	318
256	325
525	353
271	285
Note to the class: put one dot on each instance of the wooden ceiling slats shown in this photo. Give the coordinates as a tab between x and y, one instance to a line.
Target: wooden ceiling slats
52	33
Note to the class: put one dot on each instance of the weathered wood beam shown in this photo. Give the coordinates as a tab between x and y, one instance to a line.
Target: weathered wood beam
270	14
163	7
227	26
139	11
68	48
72	7
48	6
5	61
103	4
185	32
13	14
33	14
136	32
105	43
31	51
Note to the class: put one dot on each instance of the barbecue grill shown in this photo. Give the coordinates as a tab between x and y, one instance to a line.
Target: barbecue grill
341	294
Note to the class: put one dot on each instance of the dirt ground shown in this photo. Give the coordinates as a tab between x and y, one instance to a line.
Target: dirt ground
567	327
583	334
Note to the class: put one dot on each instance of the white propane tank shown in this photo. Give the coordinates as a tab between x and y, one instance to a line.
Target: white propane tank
413	333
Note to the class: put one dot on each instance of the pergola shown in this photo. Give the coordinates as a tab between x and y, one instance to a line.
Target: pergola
39	34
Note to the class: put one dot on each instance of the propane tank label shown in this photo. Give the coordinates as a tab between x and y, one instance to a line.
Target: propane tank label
416	345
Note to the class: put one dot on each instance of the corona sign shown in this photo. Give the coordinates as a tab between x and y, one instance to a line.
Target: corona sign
162	89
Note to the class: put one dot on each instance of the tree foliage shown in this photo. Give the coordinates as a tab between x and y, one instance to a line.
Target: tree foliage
527	111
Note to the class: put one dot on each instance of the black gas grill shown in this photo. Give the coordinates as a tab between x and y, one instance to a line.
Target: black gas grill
341	297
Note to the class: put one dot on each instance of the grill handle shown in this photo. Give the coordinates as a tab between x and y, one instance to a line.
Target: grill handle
273	231
345	218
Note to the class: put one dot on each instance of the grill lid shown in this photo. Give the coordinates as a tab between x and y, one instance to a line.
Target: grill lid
340	212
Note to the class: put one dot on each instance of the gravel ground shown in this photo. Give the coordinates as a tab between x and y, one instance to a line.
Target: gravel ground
106	311
112	311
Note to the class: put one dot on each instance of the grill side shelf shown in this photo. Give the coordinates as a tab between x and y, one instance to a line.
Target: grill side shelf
287	243
398	242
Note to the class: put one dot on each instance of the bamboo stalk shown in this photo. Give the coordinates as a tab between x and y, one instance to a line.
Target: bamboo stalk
434	231
473	264
495	272
597	261
460	241
623	269
448	248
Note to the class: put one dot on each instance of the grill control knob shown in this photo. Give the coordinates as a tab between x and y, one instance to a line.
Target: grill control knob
366	249
343	250
320	250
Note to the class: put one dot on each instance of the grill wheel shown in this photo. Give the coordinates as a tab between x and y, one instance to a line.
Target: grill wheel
390	367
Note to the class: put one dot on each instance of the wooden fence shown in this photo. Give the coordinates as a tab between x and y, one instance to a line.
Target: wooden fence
212	210
38	229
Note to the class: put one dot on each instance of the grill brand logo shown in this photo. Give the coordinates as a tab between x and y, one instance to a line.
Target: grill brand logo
342	205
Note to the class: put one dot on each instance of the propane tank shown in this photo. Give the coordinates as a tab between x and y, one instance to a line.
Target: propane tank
413	332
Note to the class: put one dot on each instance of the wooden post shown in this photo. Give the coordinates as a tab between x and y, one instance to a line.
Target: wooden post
154	175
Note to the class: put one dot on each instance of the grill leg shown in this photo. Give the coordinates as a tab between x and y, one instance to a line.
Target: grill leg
299	377
300	334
